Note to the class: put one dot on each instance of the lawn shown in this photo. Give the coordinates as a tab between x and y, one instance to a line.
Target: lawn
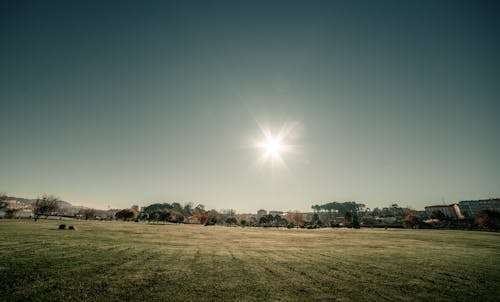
120	261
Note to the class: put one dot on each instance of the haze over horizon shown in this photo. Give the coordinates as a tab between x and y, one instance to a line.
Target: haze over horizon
125	102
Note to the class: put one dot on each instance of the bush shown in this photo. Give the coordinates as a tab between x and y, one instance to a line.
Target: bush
62	226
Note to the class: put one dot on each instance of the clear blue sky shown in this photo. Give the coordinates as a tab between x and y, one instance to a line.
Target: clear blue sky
132	102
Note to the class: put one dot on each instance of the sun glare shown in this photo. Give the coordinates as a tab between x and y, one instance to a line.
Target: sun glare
275	146
272	146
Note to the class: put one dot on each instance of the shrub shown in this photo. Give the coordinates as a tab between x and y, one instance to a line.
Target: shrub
62	226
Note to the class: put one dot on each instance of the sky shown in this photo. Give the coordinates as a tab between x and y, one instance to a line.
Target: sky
115	103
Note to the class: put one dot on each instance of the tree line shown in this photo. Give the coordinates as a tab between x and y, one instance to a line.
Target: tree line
330	214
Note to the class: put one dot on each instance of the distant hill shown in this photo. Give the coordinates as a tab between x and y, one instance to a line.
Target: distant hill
62	204
20	199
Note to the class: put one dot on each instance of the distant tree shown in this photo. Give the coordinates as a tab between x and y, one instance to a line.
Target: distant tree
46	205
199	209
231	220
155	207
143	216
4	204
489	219
261	213
280	221
177	207
213	217
179	218
315	219
267	220
229	212
316	208
88	213
127	214
330	210
355	221
394	207
211	220
296	219
412	221
164	215
348	219
3	200
188	209
153	216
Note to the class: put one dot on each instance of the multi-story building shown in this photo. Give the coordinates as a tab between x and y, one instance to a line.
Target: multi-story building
471	207
451	211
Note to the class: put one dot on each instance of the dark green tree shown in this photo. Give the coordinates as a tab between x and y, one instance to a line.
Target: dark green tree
347	219
127	214
355	221
489	219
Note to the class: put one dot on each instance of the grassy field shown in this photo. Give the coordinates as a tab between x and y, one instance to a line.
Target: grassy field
119	261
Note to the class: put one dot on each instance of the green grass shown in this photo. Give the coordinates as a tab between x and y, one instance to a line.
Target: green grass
104	261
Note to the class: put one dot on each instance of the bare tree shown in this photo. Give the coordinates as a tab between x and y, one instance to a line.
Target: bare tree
46	205
295	218
88	213
10	212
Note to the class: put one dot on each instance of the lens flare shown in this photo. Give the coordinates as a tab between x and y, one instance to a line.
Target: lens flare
274	147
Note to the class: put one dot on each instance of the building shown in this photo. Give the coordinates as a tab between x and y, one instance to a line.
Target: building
423	214
470	208
451	211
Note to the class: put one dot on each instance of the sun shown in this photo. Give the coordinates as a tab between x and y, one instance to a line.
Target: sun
272	146
276	145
